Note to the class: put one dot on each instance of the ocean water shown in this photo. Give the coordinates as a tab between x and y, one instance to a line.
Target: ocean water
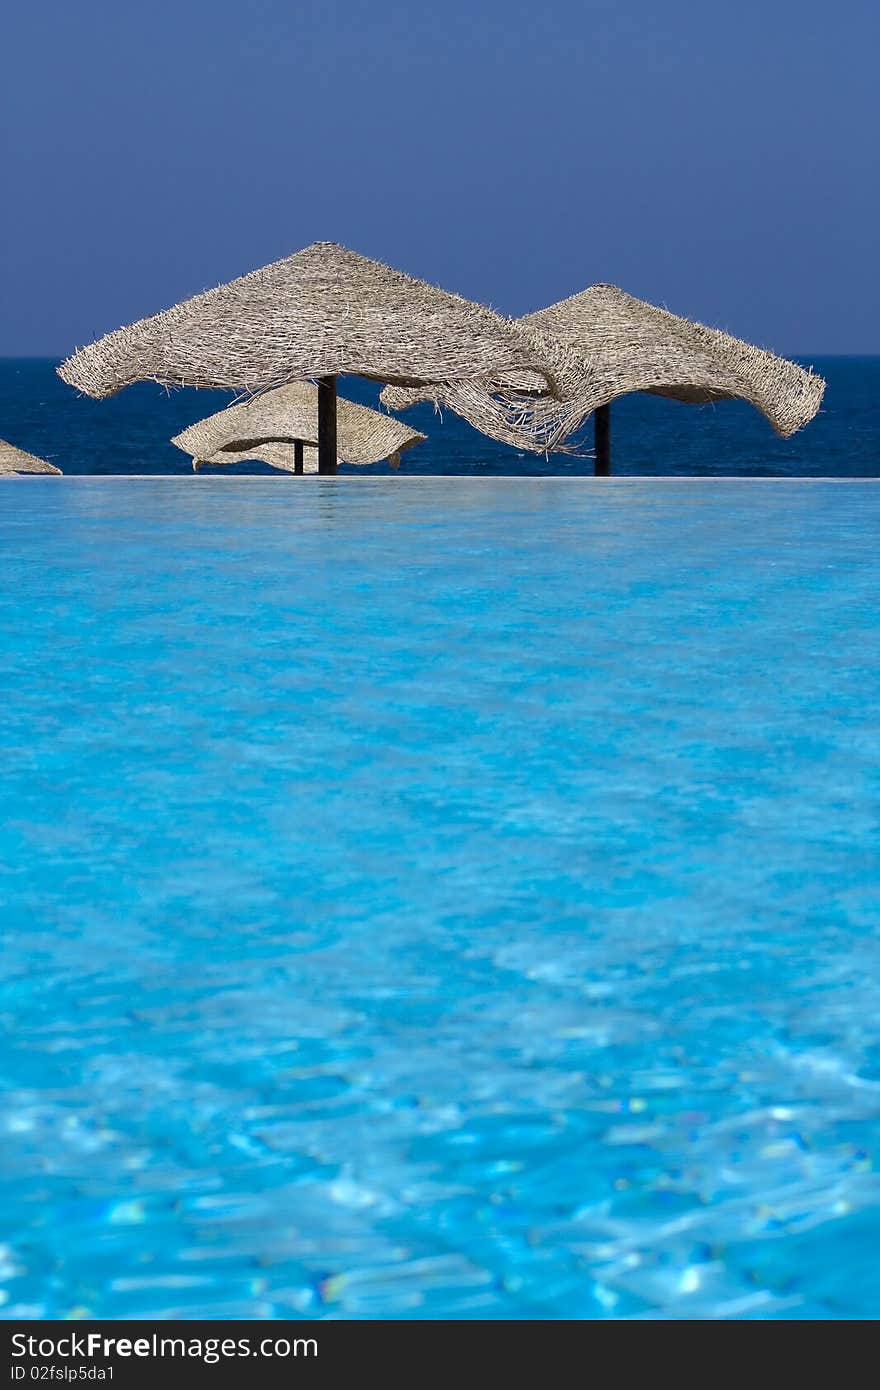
130	432
439	898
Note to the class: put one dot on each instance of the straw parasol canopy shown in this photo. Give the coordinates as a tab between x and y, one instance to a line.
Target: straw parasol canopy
277	419
14	460
634	346
280	456
625	345
321	312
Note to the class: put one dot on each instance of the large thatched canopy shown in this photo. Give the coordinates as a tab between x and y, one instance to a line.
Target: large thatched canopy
14	460
289	413
322	312
634	346
603	343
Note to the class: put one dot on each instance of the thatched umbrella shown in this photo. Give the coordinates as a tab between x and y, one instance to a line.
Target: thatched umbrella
302	459
634	346
316	314
14	460
288	416
627	345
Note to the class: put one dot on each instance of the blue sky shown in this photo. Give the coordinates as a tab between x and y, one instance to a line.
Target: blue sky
720	159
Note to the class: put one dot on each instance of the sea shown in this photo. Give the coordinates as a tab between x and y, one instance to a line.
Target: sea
130	433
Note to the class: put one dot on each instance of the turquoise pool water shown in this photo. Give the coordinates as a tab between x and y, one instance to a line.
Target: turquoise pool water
439	898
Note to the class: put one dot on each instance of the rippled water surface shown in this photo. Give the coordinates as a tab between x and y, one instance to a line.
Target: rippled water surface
439	898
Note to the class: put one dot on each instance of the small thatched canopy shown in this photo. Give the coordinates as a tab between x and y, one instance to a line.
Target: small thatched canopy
278	456
322	312
627	345
289	413
14	460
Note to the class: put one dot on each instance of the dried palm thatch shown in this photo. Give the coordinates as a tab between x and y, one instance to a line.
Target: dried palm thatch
324	311
506	408
288	413
627	345
14	460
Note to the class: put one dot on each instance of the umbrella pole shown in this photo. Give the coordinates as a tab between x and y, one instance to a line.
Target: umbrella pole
602	439
298	456
327	424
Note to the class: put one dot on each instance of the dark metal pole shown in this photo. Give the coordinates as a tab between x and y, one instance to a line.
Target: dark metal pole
602	438
298	456
327	424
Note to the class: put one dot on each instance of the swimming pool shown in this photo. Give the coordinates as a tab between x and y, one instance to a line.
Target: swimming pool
439	898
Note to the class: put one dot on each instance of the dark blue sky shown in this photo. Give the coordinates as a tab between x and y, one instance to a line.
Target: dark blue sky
721	159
